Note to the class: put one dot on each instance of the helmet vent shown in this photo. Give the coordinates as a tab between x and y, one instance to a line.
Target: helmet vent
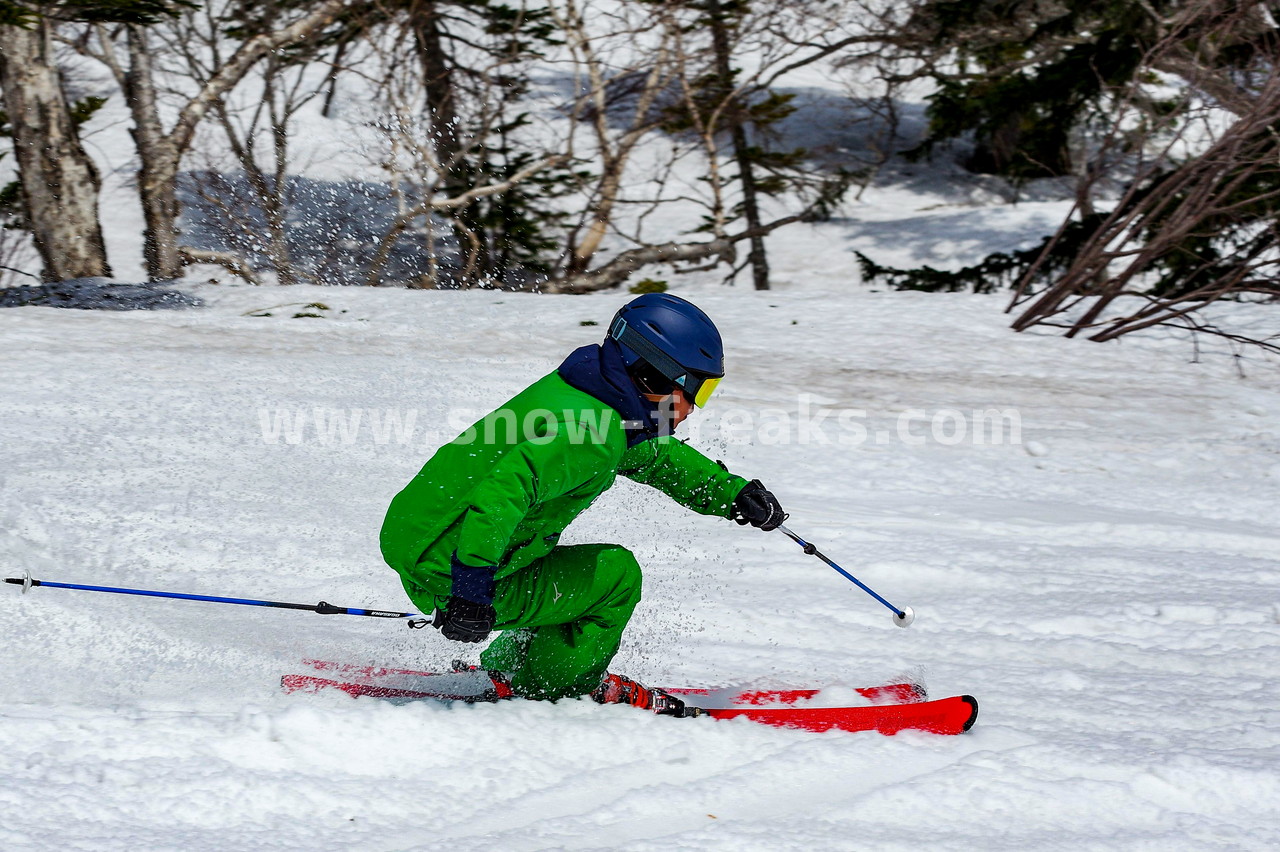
657	329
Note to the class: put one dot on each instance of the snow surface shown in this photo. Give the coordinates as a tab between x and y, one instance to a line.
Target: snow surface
1107	588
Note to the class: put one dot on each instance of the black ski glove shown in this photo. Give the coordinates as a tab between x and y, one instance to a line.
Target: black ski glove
469	615
757	506
467	621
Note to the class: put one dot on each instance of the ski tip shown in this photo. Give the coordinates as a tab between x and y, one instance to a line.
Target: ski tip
973	711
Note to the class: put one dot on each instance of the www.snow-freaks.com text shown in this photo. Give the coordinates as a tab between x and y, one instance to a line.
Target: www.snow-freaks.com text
806	423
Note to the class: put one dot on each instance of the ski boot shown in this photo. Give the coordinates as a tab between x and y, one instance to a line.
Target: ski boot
617	689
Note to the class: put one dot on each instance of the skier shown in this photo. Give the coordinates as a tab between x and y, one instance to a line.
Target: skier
474	534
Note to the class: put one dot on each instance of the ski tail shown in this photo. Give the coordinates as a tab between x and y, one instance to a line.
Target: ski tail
470	686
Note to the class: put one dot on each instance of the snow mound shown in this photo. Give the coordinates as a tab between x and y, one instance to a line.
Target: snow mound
96	294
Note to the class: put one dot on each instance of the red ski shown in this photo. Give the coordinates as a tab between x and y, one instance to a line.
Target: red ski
889	708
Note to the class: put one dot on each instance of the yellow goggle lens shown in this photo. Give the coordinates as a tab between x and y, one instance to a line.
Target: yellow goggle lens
705	390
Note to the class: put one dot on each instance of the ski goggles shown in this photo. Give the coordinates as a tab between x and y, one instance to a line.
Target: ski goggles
705	388
697	387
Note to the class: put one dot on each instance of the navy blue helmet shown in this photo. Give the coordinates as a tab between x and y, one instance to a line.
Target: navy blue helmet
675	338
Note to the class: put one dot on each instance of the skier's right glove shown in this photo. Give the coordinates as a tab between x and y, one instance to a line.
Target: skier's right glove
469	615
757	506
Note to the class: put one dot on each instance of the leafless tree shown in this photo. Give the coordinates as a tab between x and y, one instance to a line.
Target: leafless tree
247	173
732	110
161	150
635	67
621	63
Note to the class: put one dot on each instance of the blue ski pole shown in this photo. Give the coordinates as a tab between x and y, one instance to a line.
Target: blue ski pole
322	608
901	617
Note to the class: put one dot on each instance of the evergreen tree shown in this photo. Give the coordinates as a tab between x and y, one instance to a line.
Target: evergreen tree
118	11
721	18
476	150
1195	220
1026	72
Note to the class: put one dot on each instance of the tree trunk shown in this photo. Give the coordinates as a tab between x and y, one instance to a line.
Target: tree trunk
741	149
751	210
158	173
438	80
610	189
276	205
59	182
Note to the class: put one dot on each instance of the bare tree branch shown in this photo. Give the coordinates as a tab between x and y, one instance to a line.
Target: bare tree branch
616	271
225	259
245	57
1186	233
431	205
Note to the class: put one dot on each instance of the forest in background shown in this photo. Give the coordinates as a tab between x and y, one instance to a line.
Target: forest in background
548	145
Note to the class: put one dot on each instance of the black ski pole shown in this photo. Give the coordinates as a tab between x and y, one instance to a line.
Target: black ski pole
322	608
901	617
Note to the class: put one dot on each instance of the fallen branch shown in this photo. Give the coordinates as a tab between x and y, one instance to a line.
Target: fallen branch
227	260
616	271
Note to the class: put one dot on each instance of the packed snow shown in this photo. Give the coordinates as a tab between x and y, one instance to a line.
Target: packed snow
1105	582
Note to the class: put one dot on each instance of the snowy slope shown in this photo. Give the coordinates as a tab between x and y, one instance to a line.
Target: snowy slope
1109	587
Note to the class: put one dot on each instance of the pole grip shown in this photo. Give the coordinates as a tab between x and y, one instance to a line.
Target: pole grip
430	620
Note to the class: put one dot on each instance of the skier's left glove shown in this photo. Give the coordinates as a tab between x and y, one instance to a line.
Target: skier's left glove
469	615
757	506
467	621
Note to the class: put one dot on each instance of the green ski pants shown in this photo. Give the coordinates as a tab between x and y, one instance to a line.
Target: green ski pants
562	619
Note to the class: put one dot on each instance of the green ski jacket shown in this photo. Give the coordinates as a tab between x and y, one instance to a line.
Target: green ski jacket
502	492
